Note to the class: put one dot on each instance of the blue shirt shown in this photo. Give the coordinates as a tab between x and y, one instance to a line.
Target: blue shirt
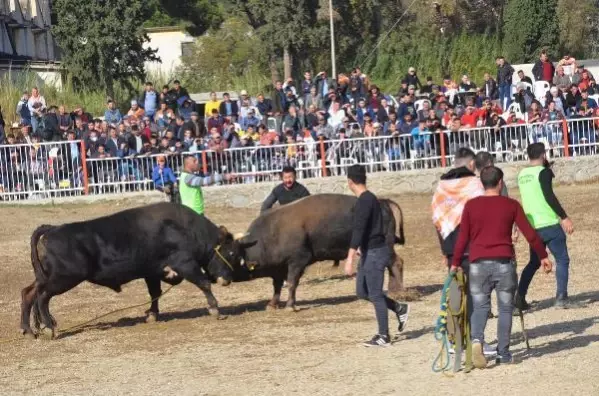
150	103
113	116
228	108
167	176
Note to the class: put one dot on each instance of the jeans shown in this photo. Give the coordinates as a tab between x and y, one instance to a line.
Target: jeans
369	284
505	95
554	238
486	275
34	124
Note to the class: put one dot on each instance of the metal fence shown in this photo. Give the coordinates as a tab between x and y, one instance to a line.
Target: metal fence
44	170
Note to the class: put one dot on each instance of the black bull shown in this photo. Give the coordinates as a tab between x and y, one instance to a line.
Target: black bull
282	242
161	242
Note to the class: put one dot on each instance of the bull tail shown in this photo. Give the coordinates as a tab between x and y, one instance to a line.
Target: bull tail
400	238
40	273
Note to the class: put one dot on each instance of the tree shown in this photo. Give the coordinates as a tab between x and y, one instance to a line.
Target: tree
221	56
530	26
198	15
102	41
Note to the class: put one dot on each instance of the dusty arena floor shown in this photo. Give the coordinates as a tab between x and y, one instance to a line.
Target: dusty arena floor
314	351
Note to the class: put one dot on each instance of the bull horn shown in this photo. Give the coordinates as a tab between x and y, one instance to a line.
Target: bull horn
240	235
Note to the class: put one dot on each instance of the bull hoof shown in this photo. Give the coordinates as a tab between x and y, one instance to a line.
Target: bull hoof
46	333
152	317
214	312
28	334
272	306
291	309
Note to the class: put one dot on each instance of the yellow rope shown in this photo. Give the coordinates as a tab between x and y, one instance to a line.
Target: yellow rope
7	340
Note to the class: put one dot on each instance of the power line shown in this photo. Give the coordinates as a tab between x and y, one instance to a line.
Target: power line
388	32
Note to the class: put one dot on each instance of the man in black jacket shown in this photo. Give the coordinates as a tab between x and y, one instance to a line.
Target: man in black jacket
543	70
369	237
504	80
285	193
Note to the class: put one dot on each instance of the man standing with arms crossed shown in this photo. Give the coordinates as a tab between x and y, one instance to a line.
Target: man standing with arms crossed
486	227
551	222
190	185
369	237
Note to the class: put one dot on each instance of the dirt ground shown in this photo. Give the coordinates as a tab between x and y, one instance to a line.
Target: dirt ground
314	351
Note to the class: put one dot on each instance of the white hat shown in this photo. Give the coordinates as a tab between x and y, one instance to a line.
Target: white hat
243	92
133	102
376	125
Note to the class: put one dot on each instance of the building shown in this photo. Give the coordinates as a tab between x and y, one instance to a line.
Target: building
26	41
171	44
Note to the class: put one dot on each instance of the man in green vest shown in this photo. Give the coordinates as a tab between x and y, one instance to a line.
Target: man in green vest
190	185
549	219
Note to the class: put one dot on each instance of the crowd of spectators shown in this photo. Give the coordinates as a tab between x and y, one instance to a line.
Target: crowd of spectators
316	108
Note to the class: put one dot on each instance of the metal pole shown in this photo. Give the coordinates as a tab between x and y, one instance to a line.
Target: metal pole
334	76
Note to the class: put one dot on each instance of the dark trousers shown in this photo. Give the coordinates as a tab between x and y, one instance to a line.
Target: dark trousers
369	284
486	276
554	238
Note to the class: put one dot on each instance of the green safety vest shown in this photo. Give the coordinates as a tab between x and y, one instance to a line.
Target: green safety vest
536	208
192	197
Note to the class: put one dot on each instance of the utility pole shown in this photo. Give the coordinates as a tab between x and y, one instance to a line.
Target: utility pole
334	75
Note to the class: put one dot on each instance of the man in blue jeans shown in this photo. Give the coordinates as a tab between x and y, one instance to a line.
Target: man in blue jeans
504	81
486	228
369	236
551	222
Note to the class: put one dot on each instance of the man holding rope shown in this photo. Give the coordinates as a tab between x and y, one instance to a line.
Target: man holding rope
486	228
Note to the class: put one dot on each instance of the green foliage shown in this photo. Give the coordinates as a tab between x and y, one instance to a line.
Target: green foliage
429	52
198	15
530	26
578	27
229	57
102	41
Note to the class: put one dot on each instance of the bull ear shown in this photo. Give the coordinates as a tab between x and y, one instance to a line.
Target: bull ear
223	233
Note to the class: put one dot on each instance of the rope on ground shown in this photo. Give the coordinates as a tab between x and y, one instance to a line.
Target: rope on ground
442	361
62	331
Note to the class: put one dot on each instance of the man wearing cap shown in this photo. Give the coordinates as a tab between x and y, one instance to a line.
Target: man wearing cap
368	241
412	79
135	110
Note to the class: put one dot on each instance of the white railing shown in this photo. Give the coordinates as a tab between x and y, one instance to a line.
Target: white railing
55	169
41	170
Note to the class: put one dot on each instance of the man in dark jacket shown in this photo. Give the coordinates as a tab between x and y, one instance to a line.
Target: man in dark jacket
543	70
490	87
285	193
228	107
505	72
412	79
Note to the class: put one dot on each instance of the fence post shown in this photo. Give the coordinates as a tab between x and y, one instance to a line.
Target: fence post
442	140
323	161
204	163
84	168
565	136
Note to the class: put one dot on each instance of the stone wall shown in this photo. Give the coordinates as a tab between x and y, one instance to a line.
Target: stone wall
567	171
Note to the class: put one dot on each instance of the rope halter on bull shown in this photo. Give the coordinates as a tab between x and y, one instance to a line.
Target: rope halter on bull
224	260
452	324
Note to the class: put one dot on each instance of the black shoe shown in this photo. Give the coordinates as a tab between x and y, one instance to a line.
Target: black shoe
520	302
402	310
378	341
505	359
564	302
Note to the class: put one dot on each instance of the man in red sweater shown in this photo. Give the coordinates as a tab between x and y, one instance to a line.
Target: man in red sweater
486	227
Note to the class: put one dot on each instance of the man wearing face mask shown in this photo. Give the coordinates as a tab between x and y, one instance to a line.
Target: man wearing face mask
549	219
288	191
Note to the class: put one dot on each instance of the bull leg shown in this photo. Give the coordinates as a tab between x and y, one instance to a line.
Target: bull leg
46	317
336	263
277	284
27	301
196	277
293	277
155	293
395	275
